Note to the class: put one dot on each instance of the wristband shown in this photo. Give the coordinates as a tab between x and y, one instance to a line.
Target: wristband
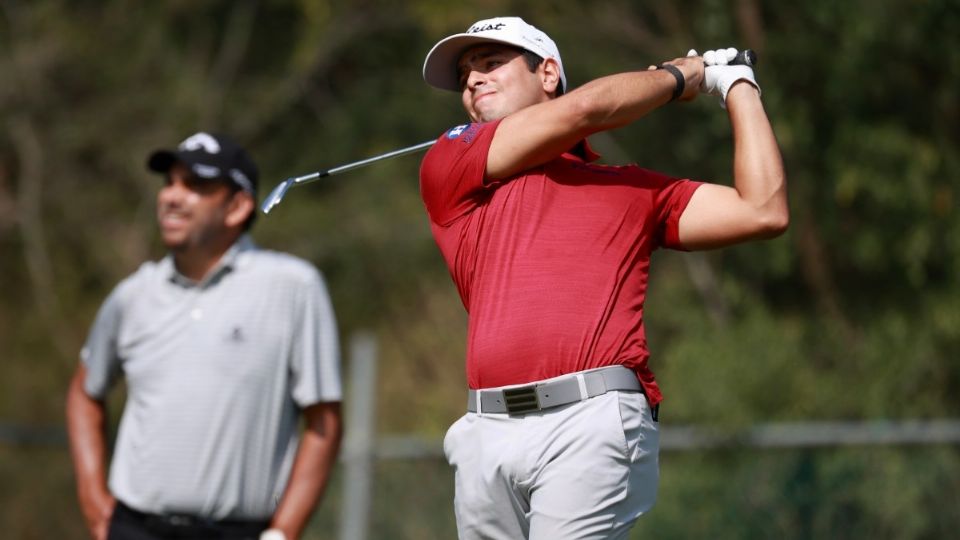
681	82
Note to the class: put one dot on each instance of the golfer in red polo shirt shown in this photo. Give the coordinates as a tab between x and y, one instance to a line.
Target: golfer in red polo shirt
550	254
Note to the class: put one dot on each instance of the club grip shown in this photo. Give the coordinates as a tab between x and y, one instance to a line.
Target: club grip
746	57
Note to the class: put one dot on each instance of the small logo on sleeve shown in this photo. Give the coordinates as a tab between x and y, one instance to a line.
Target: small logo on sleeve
465	133
457	131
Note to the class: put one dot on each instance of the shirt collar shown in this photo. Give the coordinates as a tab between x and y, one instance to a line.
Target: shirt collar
230	260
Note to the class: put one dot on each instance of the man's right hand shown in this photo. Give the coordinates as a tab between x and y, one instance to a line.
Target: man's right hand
97	510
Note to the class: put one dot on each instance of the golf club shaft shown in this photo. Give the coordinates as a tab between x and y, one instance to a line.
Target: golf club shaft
307	178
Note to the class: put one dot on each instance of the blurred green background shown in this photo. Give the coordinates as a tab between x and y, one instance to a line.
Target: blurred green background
853	315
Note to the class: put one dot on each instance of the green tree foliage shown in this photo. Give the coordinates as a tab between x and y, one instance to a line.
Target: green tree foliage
853	314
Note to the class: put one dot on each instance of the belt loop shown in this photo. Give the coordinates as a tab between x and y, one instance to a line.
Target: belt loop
479	402
582	384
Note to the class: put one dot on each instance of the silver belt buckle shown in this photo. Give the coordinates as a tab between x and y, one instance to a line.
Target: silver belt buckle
521	400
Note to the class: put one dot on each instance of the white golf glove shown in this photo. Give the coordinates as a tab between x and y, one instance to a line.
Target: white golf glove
718	76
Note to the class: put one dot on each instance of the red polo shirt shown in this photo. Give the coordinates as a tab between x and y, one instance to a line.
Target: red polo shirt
551	264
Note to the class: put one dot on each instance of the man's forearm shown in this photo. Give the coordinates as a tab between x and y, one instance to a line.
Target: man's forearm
758	167
617	100
86	428
311	471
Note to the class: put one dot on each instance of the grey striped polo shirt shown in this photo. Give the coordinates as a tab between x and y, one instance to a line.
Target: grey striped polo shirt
216	372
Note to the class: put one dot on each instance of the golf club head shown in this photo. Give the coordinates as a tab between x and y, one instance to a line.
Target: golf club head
276	195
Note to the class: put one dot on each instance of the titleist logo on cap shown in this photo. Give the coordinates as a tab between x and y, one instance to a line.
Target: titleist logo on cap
480	27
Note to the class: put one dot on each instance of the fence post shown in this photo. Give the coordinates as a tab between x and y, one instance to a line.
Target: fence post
360	437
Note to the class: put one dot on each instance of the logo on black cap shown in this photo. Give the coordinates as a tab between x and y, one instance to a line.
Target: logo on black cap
201	140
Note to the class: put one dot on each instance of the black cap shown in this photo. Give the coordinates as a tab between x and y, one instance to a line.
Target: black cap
210	156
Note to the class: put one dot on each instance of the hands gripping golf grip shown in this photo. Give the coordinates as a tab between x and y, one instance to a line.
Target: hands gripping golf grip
746	57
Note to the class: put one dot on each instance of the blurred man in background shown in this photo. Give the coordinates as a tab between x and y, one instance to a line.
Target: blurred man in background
224	347
550	254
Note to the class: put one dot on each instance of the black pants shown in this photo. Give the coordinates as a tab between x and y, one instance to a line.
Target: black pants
129	524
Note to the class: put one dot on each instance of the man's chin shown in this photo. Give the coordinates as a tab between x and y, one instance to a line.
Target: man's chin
173	242
491	116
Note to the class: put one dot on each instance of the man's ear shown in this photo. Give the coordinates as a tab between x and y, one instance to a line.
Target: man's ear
239	209
550	75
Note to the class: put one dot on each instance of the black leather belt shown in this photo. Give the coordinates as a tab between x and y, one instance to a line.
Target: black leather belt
551	393
168	523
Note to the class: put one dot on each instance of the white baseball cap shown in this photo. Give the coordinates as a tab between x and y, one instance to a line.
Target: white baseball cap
440	67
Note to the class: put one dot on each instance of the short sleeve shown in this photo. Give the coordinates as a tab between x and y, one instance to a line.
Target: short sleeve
99	353
670	202
315	356
452	173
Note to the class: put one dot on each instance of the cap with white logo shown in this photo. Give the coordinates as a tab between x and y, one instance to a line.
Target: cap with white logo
440	66
211	157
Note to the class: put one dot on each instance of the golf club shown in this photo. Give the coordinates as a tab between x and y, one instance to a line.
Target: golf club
278	192
745	57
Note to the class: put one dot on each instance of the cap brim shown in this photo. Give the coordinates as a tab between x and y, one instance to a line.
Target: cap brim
440	66
161	160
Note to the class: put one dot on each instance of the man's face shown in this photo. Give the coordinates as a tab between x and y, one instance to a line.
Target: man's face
192	212
497	82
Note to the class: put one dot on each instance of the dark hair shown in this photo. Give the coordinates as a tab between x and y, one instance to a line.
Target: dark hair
533	60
